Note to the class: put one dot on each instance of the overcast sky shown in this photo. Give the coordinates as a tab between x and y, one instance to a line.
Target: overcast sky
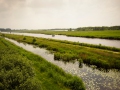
42	14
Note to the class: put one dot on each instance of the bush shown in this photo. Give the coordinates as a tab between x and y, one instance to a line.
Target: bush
65	56
34	40
16	73
24	38
75	84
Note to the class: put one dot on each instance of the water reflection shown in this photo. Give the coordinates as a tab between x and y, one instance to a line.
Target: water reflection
93	78
105	42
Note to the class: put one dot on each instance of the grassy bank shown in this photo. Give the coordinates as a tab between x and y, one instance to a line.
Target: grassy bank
68	51
23	70
106	34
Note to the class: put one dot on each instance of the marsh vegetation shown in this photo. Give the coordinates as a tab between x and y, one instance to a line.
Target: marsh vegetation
103	34
20	69
94	78
67	51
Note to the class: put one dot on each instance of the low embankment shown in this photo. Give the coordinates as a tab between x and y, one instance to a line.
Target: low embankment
103	34
68	51
23	70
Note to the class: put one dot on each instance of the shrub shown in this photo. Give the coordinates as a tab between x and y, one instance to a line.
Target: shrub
75	84
16	73
24	38
80	62
34	40
65	56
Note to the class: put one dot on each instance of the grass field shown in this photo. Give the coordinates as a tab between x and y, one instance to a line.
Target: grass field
106	34
23	70
68	51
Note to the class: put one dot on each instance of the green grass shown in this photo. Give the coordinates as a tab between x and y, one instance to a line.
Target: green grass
68	51
106	34
37	74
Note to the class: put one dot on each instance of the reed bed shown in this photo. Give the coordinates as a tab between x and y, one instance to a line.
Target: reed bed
68	51
23	70
103	34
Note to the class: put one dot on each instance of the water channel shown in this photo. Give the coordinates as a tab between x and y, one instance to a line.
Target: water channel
105	42
93	78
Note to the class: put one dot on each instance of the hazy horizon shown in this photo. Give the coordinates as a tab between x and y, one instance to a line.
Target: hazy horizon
50	14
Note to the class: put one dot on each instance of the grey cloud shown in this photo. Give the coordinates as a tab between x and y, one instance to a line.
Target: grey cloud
6	5
63	13
46	3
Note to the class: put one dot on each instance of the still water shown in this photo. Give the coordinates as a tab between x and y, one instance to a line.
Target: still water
93	79
105	42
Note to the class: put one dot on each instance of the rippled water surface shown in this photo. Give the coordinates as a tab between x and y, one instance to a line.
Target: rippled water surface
94	79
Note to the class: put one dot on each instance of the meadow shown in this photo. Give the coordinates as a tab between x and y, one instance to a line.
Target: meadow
103	34
69	51
23	70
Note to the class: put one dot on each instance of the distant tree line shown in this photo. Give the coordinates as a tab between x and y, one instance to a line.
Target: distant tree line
5	30
98	28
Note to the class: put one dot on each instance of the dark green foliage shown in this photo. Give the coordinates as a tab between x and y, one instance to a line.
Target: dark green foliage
16	71
33	41
24	38
98	28
67	51
65	56
80	62
74	84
